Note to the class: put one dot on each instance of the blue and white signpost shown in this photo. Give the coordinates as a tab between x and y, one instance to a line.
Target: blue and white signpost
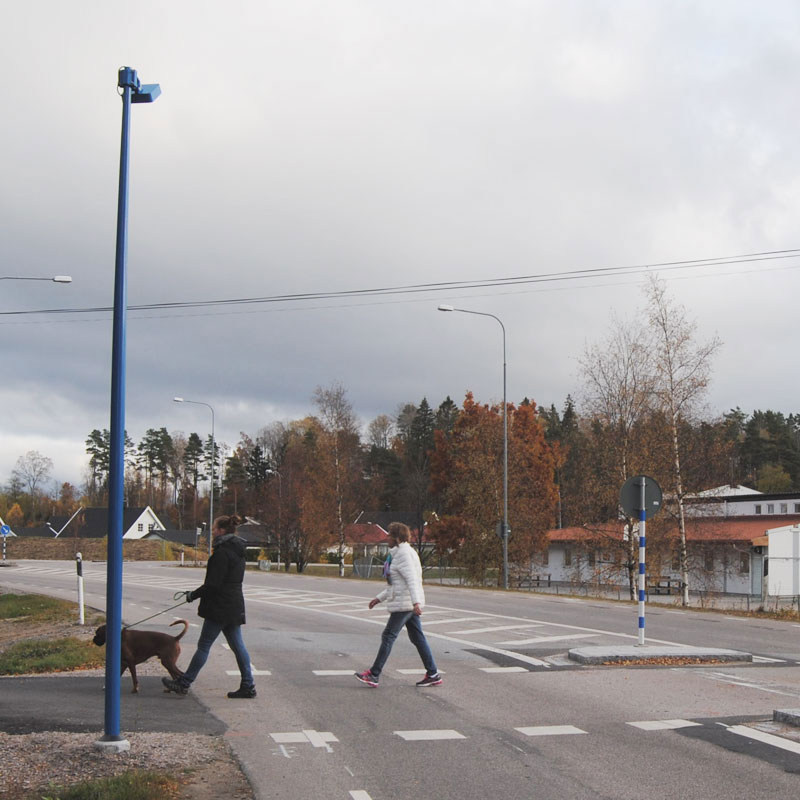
5	530
640	497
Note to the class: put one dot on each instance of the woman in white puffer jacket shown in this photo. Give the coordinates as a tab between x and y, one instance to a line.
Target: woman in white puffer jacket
405	599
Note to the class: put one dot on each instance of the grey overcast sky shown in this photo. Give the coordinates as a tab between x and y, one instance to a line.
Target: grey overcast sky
311	146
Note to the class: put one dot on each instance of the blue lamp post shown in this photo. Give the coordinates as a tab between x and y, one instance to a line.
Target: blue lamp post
132	91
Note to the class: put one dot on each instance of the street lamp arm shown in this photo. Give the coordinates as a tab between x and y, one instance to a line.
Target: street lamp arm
444	307
54	279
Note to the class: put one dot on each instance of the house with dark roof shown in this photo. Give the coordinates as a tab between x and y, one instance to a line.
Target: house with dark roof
92	523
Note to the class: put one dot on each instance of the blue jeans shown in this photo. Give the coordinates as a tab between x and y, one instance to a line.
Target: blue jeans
208	635
398	619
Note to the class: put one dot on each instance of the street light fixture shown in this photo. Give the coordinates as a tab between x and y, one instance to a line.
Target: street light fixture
505	530
54	279
131	91
213	458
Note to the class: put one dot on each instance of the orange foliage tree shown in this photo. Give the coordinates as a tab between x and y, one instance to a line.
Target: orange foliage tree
467	475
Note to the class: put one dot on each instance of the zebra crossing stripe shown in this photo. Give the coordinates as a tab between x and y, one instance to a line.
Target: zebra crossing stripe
550	730
500	670
429	735
766	738
663	724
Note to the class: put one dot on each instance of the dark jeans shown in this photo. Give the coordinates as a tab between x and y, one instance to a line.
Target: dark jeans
397	619
233	635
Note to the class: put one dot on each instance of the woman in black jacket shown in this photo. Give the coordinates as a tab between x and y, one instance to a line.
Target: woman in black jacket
221	607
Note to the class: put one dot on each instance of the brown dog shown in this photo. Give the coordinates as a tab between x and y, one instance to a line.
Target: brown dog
138	646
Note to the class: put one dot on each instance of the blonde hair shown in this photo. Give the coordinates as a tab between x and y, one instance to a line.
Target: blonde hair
399	531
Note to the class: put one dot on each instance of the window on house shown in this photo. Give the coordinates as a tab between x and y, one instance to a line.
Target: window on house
709	561
151	526
676	563
770	508
140	527
758	508
567	556
797	508
784	508
592	558
744	563
545	557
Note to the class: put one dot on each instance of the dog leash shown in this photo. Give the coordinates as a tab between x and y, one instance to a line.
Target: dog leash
159	613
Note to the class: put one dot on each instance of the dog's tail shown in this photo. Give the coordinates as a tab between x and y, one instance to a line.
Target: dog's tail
185	627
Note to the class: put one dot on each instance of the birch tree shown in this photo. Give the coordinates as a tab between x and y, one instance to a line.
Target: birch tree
339	458
618	380
681	379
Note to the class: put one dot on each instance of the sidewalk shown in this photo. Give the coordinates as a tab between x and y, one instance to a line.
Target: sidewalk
75	703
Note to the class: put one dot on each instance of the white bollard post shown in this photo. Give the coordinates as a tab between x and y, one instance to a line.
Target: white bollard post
79	565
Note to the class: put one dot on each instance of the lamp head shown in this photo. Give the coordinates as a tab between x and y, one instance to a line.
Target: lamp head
177	399
62	279
444	307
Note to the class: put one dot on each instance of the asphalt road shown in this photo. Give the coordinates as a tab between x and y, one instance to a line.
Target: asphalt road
514	718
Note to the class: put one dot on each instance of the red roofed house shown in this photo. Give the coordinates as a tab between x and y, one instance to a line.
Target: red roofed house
726	554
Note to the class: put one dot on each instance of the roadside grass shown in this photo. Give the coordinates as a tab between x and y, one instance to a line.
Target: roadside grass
38	654
35	608
50	655
133	785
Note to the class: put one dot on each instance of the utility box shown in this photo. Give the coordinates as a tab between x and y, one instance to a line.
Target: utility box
784	561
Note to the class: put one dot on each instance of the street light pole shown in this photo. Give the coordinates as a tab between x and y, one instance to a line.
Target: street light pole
505	436
213	458
132	92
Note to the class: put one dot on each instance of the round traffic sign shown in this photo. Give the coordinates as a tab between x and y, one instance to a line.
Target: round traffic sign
630	496
5	530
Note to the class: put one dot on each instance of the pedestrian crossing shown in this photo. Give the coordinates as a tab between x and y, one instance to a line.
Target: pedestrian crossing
499	637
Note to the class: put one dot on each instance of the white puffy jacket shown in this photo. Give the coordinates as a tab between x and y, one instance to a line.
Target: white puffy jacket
406	573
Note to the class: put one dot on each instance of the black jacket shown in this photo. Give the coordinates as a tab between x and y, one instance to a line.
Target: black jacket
221	598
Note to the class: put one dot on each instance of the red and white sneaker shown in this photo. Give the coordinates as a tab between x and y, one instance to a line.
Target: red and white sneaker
367	677
431	680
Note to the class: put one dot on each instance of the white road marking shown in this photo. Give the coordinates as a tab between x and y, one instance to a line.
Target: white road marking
496	628
540	639
256	672
550	730
449	621
316	738
736	681
417	671
329	672
767	738
360	794
429	735
663	724
764	659
503	669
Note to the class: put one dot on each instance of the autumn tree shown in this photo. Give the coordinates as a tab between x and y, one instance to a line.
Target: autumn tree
33	471
618	380
682	373
336	471
467	474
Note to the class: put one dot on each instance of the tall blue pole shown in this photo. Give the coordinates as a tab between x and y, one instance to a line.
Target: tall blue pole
116	472
132	91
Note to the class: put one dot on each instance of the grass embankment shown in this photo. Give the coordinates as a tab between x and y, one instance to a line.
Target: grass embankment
134	785
38	653
28	615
